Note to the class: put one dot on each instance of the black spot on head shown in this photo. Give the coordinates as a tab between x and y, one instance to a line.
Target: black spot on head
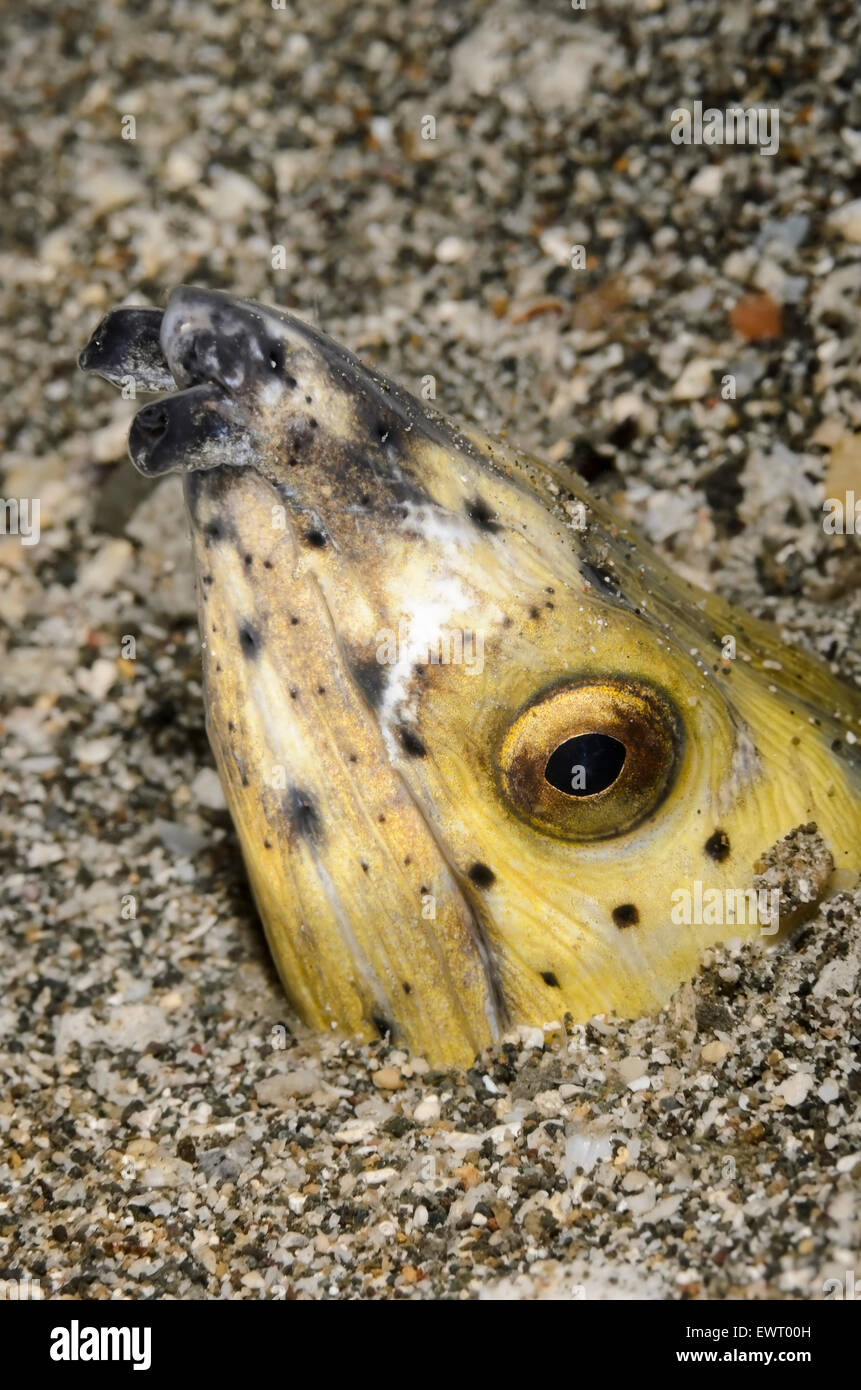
479	513
411	743
304	818
408	989
626	915
247	559
267	564
294	621
550	979
534	613
370	676
315	538
365	869
717	846
249	640
482	876
213	531
276	357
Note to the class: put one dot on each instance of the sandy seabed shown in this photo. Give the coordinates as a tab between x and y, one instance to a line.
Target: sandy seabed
168	1129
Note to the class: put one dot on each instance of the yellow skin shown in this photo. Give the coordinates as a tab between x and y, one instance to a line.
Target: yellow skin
415	872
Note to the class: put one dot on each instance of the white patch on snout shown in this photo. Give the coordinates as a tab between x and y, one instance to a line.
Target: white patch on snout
431	599
422	625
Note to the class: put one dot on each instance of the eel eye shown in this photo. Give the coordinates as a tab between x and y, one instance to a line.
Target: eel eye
586	764
591	759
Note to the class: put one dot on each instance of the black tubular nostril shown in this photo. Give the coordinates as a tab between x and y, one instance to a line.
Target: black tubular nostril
152	420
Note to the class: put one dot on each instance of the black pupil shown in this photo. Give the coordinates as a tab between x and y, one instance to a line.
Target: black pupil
585	765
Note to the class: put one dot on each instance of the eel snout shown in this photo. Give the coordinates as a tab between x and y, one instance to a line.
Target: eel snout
242	371
208	344
126	348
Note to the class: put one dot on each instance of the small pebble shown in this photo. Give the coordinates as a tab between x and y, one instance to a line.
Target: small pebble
388	1079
